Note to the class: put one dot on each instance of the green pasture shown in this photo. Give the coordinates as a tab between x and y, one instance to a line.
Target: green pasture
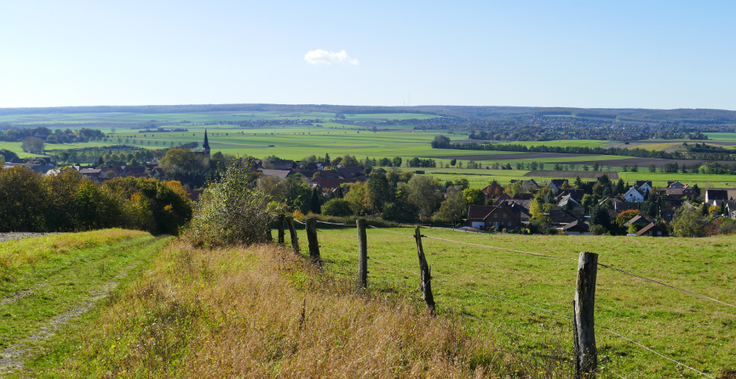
660	179
15	147
720	137
529	298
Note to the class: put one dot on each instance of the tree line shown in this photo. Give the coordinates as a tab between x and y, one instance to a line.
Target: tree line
70	202
640	153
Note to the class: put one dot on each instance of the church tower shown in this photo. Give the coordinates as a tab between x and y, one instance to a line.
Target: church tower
206	145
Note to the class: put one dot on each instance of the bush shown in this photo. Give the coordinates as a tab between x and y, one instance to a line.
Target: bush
229	212
598	229
337	207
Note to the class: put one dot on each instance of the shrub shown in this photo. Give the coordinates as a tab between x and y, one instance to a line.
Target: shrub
229	212
337	207
22	200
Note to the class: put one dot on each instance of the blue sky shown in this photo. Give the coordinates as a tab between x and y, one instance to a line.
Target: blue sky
604	54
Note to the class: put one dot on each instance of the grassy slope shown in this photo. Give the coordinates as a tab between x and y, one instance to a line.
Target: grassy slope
48	276
259	312
694	331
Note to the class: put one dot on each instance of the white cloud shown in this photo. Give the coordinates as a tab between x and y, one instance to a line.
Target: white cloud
328	57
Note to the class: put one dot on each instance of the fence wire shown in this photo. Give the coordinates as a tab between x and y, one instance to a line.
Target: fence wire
640	345
655	352
669	286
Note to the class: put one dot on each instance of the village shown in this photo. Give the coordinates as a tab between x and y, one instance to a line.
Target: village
557	206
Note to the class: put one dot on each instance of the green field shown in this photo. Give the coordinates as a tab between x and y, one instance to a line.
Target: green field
336	139
47	282
528	298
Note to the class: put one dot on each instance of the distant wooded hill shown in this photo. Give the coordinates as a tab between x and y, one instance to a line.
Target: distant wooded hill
694	116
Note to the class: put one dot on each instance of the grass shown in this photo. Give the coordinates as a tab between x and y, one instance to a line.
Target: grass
514	290
45	278
263	312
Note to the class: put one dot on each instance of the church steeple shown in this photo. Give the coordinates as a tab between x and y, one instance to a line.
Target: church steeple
206	144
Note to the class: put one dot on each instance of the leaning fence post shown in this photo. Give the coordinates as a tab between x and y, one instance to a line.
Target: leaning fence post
313	243
363	253
426	284
281	229
292	233
586	354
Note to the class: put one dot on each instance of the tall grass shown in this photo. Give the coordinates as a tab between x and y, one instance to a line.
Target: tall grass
263	312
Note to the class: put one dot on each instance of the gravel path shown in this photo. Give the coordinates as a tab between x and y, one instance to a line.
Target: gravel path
20	235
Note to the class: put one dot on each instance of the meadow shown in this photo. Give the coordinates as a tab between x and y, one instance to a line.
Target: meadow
527	298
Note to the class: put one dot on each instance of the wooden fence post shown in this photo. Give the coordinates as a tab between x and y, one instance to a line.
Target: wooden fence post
426	284
586	354
313	243
281	229
363	253
292	233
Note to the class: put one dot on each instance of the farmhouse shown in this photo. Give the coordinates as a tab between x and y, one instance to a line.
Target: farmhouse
633	195
556	184
652	230
644	186
576	227
716	196
495	216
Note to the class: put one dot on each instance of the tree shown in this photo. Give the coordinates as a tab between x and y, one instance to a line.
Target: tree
599	216
652	168
8	155
401	210
229	212
453	207
61	190
357	197
595	166
441	142
379	190
33	145
474	196
424	192
688	222
620	187
181	159
453	161
396	162
625	216
22	200
337	207
315	204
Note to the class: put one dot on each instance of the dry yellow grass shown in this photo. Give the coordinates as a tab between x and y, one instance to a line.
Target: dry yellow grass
263	312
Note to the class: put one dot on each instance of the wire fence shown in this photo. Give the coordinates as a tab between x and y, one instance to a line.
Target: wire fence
536	307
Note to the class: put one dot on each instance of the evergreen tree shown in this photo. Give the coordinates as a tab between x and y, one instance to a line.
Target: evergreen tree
315	205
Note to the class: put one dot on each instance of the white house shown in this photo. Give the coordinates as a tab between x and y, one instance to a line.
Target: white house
645	188
633	195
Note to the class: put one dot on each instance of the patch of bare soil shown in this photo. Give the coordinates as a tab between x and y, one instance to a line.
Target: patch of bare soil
572	174
4	237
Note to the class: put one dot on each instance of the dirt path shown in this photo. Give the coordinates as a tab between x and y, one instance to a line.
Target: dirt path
21	235
13	357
